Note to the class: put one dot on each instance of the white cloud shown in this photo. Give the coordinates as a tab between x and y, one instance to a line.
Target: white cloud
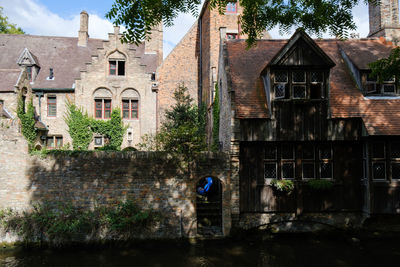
36	19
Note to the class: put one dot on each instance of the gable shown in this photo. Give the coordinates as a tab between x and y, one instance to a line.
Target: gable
27	58
301	55
301	50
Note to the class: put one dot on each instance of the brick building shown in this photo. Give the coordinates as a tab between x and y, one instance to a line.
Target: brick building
97	75
194	60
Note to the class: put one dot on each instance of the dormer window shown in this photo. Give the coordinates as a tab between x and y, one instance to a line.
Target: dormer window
298	84
117	67
372	86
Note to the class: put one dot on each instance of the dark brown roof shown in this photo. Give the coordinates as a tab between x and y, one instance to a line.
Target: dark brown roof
245	68
8	78
380	116
369	50
62	54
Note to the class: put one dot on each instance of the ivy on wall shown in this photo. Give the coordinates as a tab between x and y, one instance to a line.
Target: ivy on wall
81	129
27	120
112	129
215	129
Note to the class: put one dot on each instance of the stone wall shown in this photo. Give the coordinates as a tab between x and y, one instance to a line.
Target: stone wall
153	180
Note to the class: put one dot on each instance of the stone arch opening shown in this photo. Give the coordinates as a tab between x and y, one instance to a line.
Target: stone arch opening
209	206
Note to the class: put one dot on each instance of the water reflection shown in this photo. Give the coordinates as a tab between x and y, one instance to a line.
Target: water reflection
272	253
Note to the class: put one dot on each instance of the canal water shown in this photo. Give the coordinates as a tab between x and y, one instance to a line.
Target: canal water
299	251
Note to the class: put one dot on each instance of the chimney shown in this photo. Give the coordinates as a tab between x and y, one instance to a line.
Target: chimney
83	30
384	20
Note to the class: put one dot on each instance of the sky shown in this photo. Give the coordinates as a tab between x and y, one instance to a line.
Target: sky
61	18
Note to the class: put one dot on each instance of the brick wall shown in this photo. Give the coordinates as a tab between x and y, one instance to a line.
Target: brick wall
153	180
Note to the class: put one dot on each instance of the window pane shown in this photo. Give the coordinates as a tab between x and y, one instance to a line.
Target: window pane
316	77
281	77
113	67
107	104
52	110
98	103
121	68
59	141
287	152
299	91
325	152
270	152
378	170
299	76
135	104
125	114
395	170
378	150
231	36
50	142
107	114
308	170
231	7
326	170
280	90
134	114
125	104
395	150
270	170
389	88
288	170
51	100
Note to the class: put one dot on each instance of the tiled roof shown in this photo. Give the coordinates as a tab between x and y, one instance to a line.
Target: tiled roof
8	78
62	54
380	116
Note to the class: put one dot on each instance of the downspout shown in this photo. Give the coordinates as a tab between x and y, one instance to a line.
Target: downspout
200	91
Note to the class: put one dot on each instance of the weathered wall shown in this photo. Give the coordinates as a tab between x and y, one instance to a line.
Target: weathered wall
153	180
10	102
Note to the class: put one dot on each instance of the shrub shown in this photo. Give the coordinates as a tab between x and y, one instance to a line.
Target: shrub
284	186
320	185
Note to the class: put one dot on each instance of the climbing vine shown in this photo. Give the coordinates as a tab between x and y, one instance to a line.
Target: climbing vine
78	127
113	130
27	120
215	129
81	129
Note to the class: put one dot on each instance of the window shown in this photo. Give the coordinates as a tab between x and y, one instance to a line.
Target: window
385	160
102	108
29	72
298	84
373	87
1	104
314	160
98	141
54	142
130	109
51	106
231	7
231	36
117	67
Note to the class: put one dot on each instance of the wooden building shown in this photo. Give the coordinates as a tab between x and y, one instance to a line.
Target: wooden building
305	110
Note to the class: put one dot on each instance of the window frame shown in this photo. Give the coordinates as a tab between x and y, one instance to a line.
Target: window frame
117	67
299	160
290	85
51	104
130	108
379	87
233	7
102	108
55	138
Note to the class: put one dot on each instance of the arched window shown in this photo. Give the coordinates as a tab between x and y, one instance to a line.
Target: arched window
102	103
130	104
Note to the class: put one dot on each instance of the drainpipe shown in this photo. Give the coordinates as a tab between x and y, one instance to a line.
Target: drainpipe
200	91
